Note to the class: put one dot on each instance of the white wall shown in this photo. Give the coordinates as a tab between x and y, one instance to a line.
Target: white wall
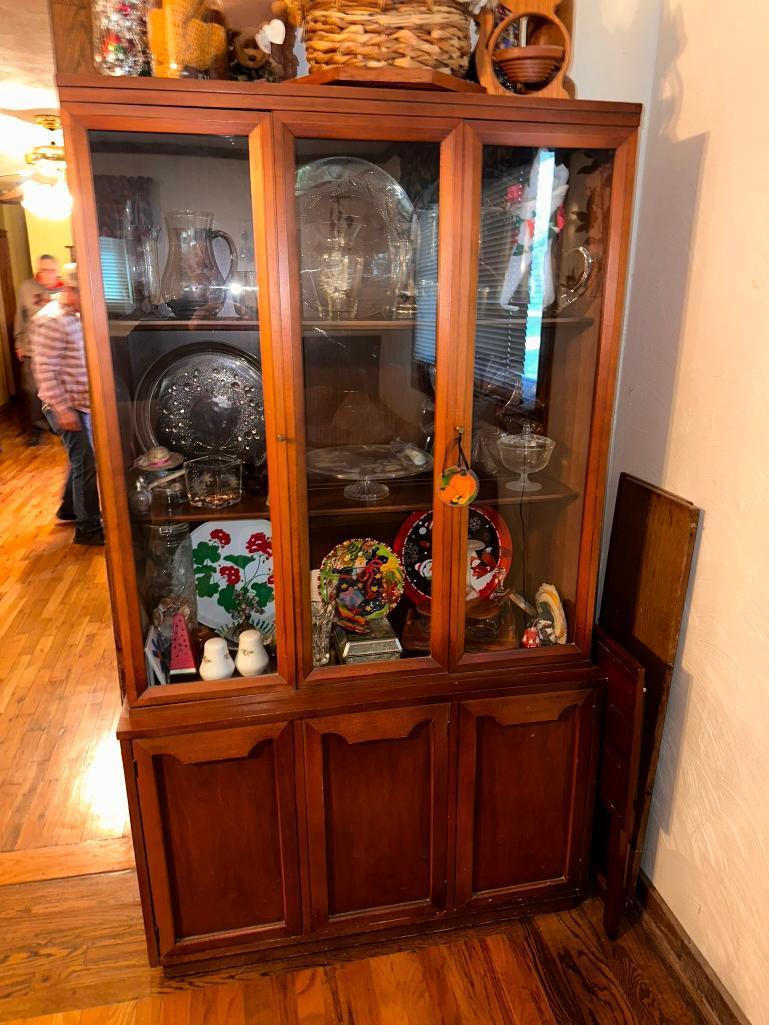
692	416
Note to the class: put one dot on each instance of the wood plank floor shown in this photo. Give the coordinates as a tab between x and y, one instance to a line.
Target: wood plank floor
71	939
60	772
73	951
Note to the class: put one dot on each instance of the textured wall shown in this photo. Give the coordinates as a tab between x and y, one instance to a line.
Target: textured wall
692	416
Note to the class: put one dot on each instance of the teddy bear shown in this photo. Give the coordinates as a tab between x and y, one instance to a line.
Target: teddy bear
265	53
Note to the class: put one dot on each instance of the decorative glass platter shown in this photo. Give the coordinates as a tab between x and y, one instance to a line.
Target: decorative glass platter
368	466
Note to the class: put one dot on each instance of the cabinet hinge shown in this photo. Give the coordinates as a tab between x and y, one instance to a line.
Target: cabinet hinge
136	769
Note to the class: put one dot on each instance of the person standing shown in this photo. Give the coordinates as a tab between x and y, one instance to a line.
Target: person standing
34	294
58	364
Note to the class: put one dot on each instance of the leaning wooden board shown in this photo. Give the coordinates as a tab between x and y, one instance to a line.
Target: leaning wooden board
647	576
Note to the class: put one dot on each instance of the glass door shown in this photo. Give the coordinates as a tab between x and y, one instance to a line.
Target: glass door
176	248
542	272
366	216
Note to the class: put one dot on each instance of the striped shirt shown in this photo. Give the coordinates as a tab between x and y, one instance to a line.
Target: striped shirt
58	358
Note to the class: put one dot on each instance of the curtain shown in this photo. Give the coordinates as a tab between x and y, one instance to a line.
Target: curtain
122	202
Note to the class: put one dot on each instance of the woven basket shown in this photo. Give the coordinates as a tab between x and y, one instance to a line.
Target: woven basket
389	33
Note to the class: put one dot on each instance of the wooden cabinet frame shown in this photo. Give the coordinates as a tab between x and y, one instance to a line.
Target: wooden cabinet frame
446	694
272	135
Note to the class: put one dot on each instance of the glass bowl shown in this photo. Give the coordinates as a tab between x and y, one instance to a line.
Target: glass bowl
525	453
213	482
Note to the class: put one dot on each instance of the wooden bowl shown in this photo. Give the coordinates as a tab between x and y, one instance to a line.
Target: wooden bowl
529	65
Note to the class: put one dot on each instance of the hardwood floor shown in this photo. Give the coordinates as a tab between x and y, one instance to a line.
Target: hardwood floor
60	775
71	939
72	951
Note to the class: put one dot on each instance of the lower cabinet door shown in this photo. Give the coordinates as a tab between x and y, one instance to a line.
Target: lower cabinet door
219	819
377	815
526	766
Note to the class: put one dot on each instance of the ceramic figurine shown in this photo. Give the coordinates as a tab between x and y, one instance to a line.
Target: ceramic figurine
530	638
217	663
252	658
545	631
182	662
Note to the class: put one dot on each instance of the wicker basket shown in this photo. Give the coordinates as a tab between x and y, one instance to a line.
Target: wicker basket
388	33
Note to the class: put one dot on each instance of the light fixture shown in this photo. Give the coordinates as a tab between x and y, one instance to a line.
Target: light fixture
45	193
50	202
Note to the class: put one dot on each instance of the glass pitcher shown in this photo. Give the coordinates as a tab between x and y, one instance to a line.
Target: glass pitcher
193	286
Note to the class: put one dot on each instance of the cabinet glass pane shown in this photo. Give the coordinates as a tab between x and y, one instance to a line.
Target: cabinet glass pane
177	256
368	232
544	225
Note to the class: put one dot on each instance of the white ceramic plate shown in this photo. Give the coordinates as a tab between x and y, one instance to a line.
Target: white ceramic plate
229	555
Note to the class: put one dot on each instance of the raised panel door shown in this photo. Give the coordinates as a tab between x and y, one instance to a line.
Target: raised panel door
525	778
220	827
377	815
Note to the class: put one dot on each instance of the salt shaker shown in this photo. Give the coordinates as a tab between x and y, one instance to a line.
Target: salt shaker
252	658
217	663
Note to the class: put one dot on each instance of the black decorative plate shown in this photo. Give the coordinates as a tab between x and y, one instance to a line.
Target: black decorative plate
201	399
490	553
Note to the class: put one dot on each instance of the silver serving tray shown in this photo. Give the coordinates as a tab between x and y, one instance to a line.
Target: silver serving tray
201	399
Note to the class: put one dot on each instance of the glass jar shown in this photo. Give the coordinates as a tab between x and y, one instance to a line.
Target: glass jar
120	36
187	39
169	575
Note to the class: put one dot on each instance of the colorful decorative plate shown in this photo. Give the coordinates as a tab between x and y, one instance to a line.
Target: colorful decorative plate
490	553
234	574
363	577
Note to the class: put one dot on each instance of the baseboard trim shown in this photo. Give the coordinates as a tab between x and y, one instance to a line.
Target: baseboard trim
686	961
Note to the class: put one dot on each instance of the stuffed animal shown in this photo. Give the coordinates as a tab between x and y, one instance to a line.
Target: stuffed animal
265	53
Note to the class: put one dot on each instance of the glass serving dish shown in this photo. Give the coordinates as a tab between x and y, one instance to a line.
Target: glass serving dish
355	225
525	453
213	482
368	465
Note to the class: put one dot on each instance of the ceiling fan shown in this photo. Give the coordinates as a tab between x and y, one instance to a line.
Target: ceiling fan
43	189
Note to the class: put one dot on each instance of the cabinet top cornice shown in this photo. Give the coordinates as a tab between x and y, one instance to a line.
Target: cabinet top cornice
329	99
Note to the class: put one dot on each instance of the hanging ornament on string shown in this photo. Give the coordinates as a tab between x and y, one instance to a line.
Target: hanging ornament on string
459	484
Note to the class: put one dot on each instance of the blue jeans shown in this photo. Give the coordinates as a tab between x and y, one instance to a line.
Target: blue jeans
81	494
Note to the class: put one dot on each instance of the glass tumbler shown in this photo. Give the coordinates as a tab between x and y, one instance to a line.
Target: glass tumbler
213	482
322	621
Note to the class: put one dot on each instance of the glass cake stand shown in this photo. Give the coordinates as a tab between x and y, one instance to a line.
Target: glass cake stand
368	466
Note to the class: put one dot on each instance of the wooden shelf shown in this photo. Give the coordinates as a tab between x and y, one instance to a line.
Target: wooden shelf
121	326
249	507
328	501
118	326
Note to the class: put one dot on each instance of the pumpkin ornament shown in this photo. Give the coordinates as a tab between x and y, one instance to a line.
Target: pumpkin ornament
459	484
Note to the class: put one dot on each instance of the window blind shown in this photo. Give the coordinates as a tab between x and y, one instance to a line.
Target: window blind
116	274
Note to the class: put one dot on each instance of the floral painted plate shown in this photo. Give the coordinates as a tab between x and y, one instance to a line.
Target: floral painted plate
363	577
234	574
490	553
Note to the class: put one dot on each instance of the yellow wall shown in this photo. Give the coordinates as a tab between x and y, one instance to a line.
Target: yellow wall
48	237
12	219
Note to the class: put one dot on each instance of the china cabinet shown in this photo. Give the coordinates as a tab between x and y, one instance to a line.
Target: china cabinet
318	299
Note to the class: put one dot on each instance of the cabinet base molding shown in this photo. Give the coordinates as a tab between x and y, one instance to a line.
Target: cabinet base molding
690	967
305	953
